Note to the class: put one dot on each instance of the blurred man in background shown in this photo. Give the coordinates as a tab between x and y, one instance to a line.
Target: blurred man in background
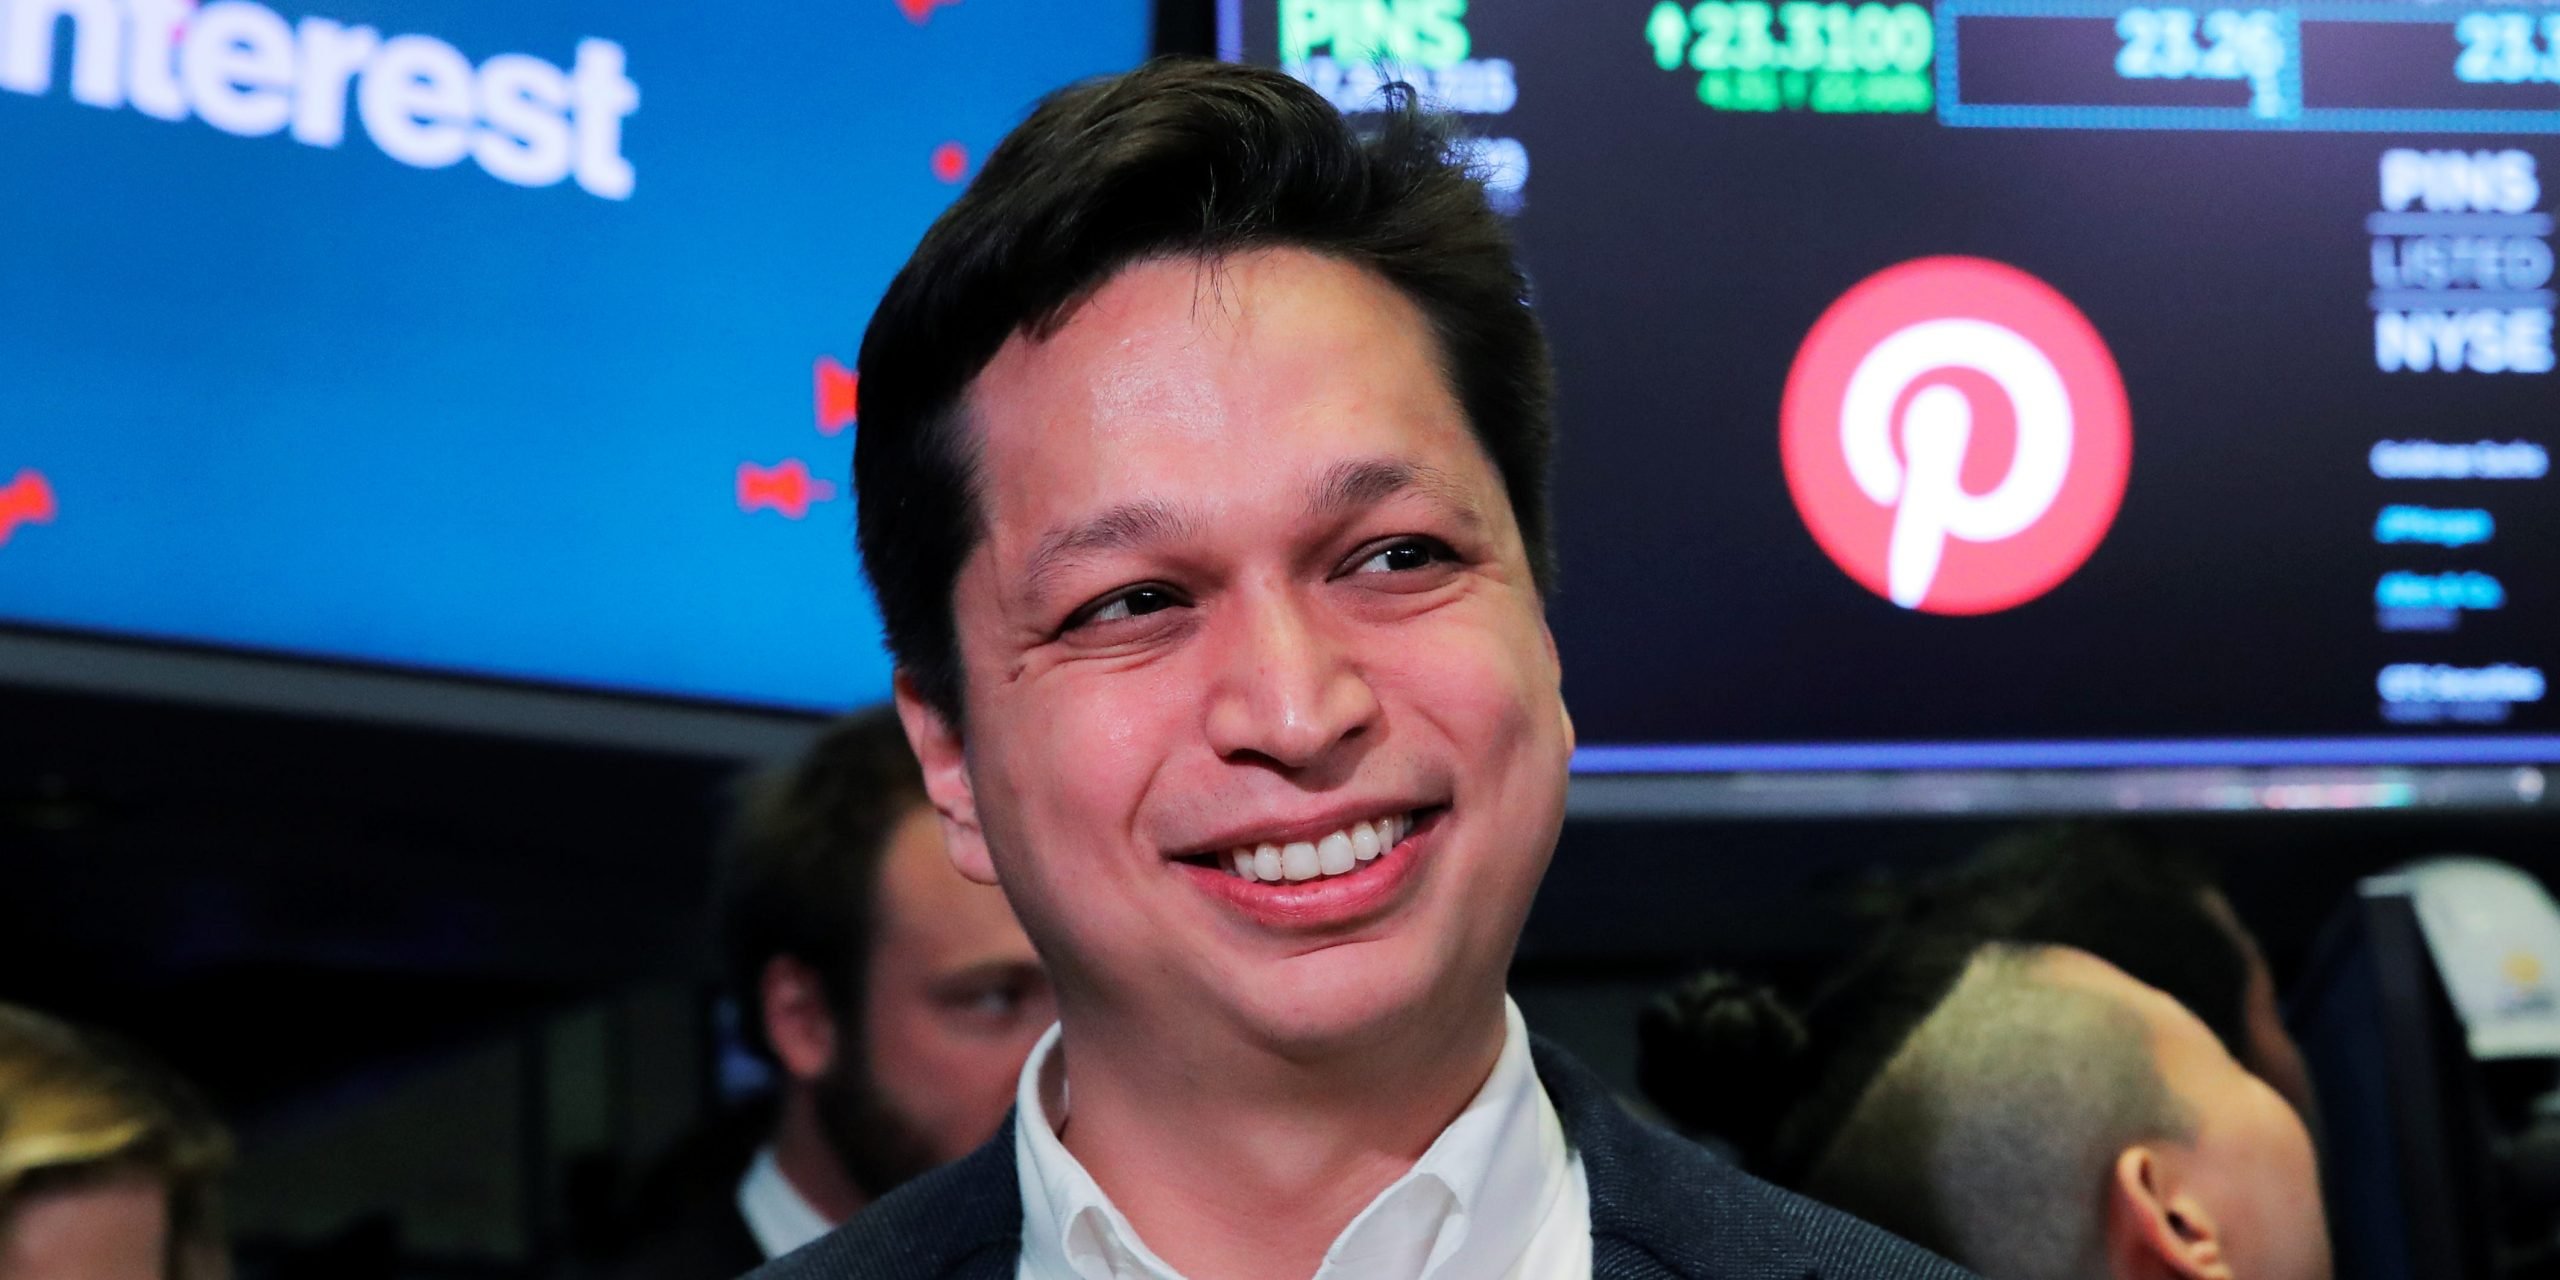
2147	907
2051	1118
109	1164
2061	1059
894	999
2150	909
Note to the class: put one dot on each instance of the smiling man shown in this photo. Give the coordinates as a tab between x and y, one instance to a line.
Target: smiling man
1201	473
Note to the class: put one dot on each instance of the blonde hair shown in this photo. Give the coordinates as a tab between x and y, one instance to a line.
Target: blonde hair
76	1105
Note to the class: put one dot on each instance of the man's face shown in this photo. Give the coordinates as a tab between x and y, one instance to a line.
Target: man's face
2249	1161
954	1001
116	1229
1248	582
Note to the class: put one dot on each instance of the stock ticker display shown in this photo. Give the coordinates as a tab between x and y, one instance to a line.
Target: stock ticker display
506	340
2024	382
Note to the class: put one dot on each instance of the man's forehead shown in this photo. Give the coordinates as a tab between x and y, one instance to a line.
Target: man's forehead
1187	342
924	897
1184	384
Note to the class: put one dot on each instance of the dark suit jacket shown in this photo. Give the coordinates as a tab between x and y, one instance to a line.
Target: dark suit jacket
681	1222
706	1240
1662	1208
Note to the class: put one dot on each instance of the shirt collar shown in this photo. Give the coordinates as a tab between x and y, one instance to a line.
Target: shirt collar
1469	1207
777	1215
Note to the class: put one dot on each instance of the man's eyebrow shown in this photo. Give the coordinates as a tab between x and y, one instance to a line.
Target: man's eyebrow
1127	525
1366	482
984	971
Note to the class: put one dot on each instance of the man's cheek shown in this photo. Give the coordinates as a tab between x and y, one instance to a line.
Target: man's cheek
1473	686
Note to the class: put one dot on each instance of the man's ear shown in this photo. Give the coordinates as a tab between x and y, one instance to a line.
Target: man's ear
946	780
2155	1227
798	1021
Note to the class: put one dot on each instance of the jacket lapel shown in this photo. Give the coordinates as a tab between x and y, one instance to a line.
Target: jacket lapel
1662	1207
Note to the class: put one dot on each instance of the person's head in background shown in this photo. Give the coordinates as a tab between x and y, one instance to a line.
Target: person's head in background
109	1164
2054	1119
2147	907
896	999
2030	1112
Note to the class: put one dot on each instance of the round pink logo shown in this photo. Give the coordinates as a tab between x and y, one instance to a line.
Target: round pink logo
1955	435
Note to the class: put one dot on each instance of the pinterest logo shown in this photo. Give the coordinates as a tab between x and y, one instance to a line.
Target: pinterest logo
1955	435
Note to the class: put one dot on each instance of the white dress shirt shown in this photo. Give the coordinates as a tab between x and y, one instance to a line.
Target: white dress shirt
777	1215
1499	1195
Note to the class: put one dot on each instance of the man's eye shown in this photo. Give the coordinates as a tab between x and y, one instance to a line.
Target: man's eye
1400	557
1136	602
997	1003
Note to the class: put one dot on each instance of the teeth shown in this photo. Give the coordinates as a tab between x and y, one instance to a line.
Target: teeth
1298	861
1364	841
1334	855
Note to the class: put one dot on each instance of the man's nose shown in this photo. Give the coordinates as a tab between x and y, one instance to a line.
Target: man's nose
1291	688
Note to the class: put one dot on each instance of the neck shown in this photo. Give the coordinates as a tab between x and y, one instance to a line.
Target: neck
800	1150
1196	1144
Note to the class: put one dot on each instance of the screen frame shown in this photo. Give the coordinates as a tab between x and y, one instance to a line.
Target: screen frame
113	666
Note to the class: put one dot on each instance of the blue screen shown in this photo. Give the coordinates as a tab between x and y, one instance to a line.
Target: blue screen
504	340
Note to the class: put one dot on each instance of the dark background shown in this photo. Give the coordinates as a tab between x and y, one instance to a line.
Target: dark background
454	990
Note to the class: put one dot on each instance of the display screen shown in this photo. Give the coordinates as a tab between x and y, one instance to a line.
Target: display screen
2024	382
508	340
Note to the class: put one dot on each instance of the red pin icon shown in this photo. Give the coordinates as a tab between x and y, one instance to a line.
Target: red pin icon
839	395
26	500
784	487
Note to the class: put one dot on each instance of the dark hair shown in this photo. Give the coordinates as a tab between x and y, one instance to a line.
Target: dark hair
1179	157
1727	1059
1736	1064
2140	904
800	868
1714	1052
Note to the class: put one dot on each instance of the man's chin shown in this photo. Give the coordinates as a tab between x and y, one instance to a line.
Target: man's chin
1352	997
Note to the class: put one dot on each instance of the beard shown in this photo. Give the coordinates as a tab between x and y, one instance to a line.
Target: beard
879	1147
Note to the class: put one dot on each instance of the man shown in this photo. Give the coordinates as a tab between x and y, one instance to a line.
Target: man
1201	479
2151	909
2050	1118
895	1000
110	1167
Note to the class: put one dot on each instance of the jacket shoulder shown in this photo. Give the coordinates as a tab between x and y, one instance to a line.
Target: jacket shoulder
1742	1228
1666	1208
960	1222
703	1239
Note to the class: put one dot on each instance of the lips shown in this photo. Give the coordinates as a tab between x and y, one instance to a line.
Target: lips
1355	872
